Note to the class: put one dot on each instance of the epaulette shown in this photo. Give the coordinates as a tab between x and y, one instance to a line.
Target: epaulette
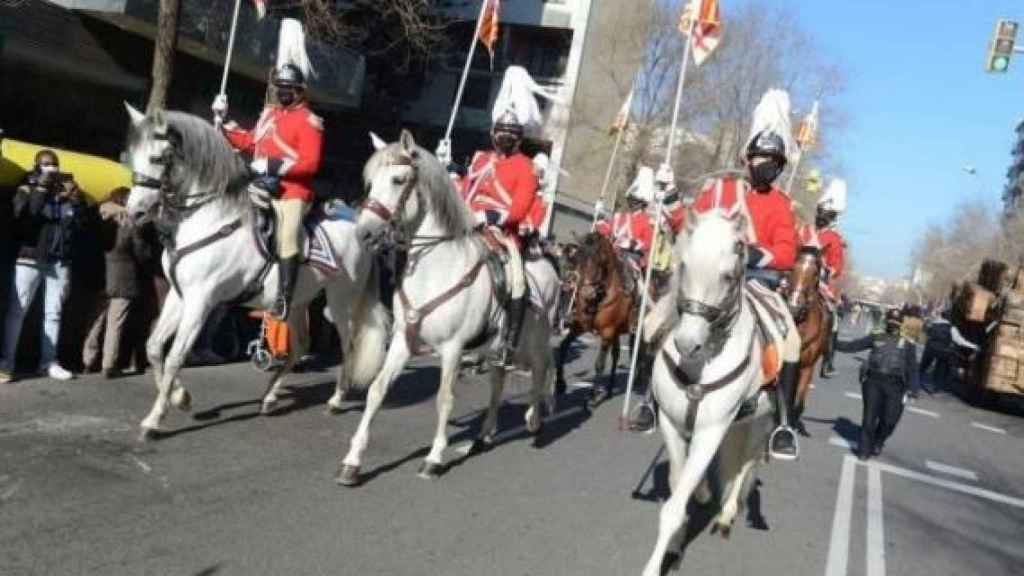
315	121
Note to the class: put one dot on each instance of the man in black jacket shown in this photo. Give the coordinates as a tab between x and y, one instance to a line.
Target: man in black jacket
885	377
48	214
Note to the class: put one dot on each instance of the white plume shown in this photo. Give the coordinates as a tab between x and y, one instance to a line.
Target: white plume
772	114
517	96
643	185
291	47
834	197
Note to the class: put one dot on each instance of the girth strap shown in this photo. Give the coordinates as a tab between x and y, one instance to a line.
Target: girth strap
177	254
695	391
414	316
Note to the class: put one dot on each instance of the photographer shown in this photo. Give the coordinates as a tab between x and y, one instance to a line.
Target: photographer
48	213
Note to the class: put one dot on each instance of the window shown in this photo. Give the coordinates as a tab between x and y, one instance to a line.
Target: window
542	51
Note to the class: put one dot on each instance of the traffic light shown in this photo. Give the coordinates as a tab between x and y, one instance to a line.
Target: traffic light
1001	48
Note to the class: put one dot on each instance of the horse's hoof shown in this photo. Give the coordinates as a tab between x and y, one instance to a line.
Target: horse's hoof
348	476
334	410
268	407
724	530
430	470
599	396
148	434
181	399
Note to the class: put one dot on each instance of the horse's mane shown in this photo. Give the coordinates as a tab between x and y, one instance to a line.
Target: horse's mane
434	184
204	158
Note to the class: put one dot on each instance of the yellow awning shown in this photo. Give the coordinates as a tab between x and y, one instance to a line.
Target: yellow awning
96	176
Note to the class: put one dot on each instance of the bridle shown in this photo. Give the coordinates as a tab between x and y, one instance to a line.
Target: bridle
394	217
802	287
720	318
178	203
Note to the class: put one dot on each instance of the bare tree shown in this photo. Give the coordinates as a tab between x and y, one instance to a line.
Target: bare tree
165	44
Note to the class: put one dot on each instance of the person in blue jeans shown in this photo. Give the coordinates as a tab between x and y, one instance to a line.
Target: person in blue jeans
48	213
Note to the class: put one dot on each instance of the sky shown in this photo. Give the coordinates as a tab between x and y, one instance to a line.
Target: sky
921	108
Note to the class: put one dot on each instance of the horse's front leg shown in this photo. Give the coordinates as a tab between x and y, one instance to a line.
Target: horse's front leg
703	446
398	355
490	425
298	343
193	314
600	392
166	325
563	351
434	462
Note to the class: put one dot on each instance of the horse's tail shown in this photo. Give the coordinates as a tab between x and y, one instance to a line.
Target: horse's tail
370	327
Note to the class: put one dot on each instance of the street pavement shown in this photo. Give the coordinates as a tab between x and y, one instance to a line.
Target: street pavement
230	492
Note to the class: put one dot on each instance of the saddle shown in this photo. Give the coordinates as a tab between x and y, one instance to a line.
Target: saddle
771	313
496	258
316	248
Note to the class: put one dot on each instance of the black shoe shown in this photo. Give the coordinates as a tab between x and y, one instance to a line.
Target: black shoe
643	419
782	444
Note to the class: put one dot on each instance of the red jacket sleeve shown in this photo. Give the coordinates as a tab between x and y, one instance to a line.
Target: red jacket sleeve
239	138
645	235
783	239
523	195
835	255
309	146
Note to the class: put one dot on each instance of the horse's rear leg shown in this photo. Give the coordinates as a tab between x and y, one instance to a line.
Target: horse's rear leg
192	317
398	355
298	343
341	313
803	391
433	463
703	446
600	392
563	351
490	425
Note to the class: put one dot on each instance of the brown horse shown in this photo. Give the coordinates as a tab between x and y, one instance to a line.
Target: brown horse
813	320
604	305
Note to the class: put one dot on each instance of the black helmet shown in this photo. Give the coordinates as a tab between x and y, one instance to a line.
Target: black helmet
288	75
767	144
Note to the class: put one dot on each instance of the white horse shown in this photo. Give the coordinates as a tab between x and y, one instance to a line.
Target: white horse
446	301
187	176
708	365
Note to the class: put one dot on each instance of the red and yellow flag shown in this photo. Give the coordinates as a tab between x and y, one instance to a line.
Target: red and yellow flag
703	18
622	118
489	25
807	133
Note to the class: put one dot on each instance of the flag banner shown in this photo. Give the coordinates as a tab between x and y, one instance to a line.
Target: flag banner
489	25
707	30
622	119
261	8
807	134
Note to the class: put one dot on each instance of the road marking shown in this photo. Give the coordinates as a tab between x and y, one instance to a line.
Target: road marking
875	555
854	395
951	470
839	545
842	443
981	426
949	484
922	412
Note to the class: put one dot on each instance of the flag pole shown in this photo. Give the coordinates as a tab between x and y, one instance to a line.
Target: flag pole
624	417
227	58
608	177
465	74
796	168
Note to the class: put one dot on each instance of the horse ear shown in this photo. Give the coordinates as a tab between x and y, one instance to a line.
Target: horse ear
136	117
377	141
407	142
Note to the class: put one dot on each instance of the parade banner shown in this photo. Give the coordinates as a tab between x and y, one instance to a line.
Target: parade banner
702	23
489	26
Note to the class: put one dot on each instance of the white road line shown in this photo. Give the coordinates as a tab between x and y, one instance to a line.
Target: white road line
839	545
949	484
842	442
981	426
854	395
875	555
951	470
922	412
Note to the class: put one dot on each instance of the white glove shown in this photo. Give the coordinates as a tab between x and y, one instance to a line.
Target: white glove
259	166
599	208
444	152
220	106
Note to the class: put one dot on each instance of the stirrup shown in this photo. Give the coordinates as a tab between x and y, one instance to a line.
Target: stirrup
280	310
780	455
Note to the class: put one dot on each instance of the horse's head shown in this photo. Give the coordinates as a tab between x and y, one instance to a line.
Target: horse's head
803	282
593	262
708	283
149	150
391	177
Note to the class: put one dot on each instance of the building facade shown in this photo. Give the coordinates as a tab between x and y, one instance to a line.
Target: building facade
1015	174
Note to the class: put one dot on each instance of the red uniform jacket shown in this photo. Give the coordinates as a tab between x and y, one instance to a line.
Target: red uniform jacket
771	217
294	136
629	231
833	252
507	186
534	221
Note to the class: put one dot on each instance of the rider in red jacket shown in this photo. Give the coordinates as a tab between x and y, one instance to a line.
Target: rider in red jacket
825	236
286	147
632	230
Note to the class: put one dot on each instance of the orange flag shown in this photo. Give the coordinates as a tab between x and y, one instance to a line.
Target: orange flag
707	33
807	134
622	119
489	25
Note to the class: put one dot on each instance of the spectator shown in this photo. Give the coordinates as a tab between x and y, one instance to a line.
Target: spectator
124	252
48	212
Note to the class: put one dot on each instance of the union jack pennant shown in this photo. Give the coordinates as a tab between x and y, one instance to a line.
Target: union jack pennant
702	17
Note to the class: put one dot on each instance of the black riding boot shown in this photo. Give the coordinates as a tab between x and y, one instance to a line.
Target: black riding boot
287	271
515	312
782	444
